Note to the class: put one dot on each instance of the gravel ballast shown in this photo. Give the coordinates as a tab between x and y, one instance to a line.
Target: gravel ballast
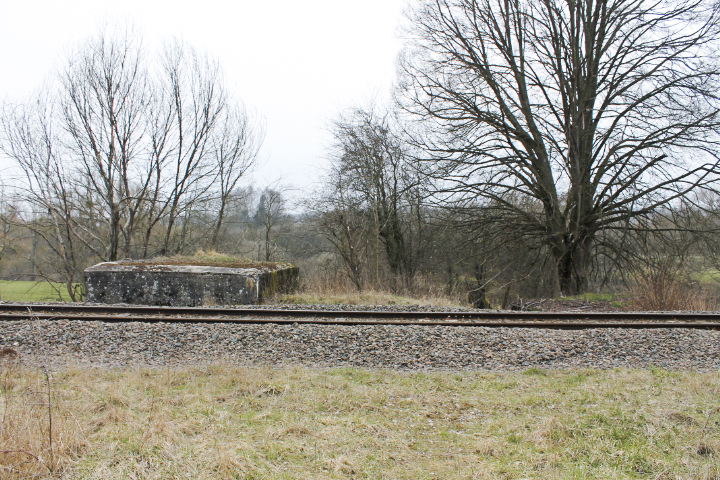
103	344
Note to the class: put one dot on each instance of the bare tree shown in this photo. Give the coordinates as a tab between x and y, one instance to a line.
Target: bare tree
269	214
596	111
48	191
372	165
344	222
234	149
104	95
197	99
8	217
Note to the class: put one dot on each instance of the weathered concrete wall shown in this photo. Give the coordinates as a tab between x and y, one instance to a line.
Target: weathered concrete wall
179	285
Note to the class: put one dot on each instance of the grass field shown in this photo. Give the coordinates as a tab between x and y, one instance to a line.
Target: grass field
226	422
20	291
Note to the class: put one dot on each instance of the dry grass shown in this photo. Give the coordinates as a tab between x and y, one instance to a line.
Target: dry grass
667	288
335	288
363	298
38	436
226	422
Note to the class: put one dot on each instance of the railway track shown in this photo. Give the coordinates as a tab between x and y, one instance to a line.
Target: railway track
121	335
538	320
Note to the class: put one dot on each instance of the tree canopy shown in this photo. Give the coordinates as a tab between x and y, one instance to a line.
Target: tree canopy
565	117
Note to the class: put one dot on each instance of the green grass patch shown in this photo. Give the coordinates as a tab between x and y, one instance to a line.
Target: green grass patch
615	300
25	291
710	276
595	297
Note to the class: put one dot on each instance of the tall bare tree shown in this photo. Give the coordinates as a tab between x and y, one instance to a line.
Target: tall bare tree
234	149
343	219
105	93
7	215
590	112
196	101
373	165
48	192
270	213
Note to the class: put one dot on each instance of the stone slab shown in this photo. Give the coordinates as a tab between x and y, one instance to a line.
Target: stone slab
141	283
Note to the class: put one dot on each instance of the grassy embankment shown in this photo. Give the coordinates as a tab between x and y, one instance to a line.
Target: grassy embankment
225	422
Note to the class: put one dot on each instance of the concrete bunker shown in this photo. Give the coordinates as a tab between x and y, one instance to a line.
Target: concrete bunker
188	281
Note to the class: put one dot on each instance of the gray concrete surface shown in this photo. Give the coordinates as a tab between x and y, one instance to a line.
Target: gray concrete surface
180	285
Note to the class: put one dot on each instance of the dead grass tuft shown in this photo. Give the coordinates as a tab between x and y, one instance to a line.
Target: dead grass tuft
680	419
707	450
485	447
38	435
341	464
665	286
9	354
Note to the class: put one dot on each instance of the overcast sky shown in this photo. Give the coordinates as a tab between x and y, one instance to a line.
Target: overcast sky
296	63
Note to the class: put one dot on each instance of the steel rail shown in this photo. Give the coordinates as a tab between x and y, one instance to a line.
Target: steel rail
567	320
483	315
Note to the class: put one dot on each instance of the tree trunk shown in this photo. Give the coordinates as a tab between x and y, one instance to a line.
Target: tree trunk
168	232
573	264
218	223
477	296
267	245
114	233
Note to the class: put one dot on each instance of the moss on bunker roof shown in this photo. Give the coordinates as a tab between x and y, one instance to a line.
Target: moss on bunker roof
207	261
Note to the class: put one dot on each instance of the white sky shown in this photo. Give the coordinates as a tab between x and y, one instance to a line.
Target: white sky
296	63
